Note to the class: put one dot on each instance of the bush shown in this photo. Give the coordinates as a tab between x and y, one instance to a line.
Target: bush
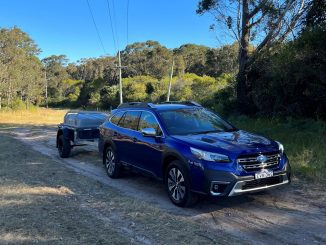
18	104
292	81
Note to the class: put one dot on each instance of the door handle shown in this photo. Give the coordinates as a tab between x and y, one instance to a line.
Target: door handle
134	139
115	134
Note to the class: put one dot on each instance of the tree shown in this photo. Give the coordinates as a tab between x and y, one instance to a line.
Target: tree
148	58
292	80
97	68
263	23
222	60
19	66
194	57
55	68
316	14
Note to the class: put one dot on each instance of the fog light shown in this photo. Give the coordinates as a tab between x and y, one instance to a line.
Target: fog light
218	187
215	187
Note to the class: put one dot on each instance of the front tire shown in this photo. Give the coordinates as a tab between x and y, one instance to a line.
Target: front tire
64	147
110	162
177	183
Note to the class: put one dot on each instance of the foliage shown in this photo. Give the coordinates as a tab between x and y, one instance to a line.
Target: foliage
316	14
283	81
55	73
293	79
194	57
20	69
222	60
263	23
147	58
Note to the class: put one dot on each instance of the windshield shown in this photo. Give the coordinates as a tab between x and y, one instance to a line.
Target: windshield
193	121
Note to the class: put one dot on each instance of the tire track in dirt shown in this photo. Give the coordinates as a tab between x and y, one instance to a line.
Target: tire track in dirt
288	215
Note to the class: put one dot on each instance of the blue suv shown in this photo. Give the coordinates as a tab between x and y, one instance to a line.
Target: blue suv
191	149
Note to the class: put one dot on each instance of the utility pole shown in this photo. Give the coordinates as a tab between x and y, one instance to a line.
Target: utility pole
170	82
120	76
46	90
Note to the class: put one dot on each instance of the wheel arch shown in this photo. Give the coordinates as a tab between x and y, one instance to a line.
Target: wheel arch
107	144
170	157
66	133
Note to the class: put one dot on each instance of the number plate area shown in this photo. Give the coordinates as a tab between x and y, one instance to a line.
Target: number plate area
265	173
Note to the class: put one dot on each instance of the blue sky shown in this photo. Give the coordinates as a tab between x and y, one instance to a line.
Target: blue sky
66	27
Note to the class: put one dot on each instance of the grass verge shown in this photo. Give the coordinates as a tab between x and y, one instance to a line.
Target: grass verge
37	116
43	201
304	142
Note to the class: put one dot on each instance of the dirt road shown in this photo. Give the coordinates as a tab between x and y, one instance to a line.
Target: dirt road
295	214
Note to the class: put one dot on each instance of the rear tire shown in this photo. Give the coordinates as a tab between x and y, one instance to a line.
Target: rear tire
177	184
112	167
64	147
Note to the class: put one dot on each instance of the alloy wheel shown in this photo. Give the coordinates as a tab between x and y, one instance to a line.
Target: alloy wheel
110	162
176	184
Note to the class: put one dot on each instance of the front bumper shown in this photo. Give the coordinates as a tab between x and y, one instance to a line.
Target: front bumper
227	184
254	185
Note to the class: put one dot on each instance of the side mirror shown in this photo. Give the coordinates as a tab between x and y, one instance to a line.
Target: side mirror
149	132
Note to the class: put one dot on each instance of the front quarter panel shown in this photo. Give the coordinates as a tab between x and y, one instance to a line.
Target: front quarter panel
181	151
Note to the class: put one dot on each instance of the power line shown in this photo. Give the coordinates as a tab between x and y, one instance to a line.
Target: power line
112	30
97	31
115	24
127	22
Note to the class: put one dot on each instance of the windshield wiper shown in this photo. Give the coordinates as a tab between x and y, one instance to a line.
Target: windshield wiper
232	130
207	132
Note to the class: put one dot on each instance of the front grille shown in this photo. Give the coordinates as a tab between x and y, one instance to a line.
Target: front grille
262	182
251	164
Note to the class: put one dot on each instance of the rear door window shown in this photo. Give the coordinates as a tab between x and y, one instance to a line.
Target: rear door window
116	118
130	120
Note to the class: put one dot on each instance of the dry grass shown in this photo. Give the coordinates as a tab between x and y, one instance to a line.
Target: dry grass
42	201
39	116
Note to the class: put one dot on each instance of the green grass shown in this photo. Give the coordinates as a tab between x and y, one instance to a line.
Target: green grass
304	142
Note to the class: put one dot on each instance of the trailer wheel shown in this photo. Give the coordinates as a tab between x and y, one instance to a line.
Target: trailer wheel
64	147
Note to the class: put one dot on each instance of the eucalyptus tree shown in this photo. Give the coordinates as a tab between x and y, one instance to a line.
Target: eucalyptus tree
261	23
194	57
55	68
19	64
146	58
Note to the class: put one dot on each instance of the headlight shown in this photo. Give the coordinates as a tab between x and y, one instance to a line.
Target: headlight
280	147
209	156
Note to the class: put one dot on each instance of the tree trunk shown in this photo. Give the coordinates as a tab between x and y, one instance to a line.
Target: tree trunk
243	58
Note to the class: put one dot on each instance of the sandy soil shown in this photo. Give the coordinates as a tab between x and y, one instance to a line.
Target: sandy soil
295	214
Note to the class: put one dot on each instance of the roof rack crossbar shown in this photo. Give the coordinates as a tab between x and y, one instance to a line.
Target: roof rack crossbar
185	102
136	105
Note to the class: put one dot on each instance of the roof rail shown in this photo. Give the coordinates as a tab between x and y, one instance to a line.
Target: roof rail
185	102
135	105
151	105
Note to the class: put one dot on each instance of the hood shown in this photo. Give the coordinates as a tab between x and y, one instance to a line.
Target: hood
240	142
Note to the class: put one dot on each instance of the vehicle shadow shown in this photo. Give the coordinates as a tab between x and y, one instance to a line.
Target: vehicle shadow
204	204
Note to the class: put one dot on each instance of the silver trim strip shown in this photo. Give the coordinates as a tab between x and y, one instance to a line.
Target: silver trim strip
237	188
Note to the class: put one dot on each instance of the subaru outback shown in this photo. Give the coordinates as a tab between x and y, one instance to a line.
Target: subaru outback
191	149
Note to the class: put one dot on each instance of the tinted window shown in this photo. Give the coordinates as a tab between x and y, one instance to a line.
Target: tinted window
116	118
193	121
130	120
148	120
